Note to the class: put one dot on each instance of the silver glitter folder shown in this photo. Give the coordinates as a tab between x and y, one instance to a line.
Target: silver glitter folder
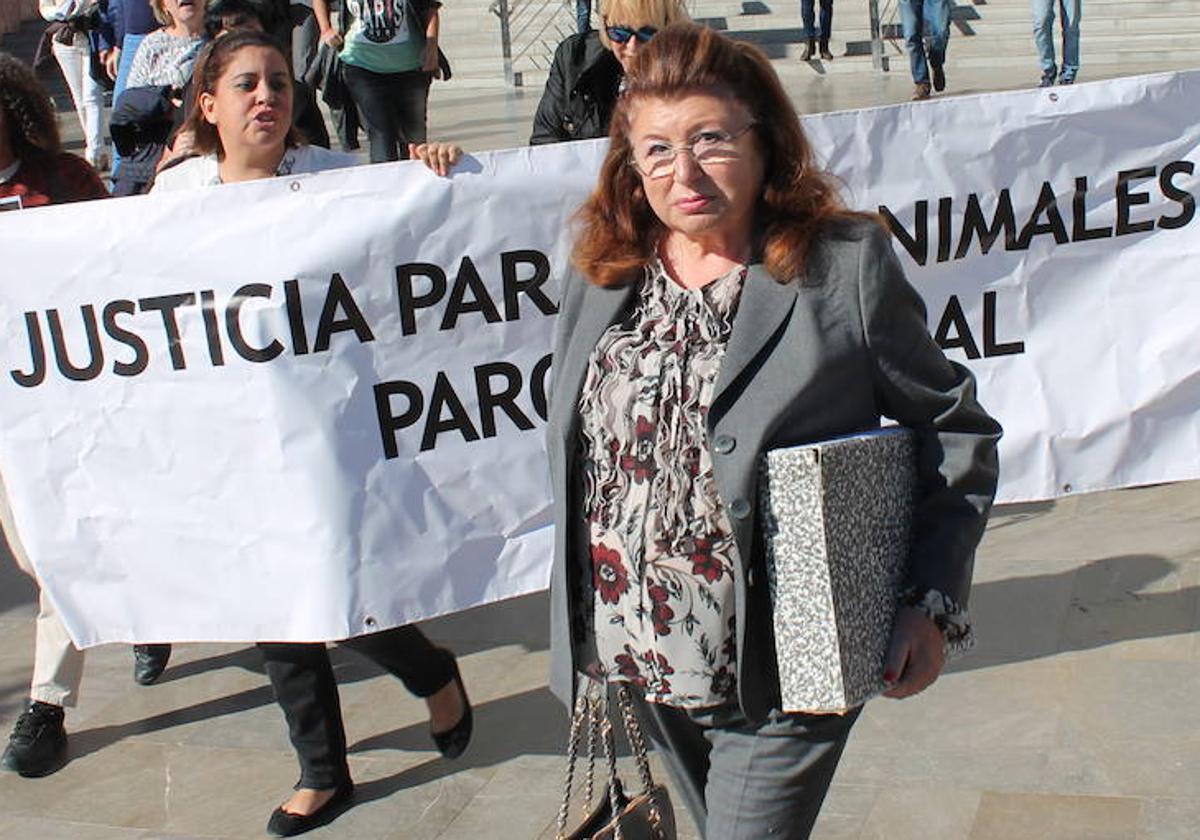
837	517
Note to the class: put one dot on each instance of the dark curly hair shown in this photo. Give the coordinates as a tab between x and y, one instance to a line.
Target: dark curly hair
26	111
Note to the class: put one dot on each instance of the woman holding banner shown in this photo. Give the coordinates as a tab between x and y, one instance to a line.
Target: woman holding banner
726	304
241	124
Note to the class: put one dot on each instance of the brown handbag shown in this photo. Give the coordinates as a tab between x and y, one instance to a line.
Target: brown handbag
616	816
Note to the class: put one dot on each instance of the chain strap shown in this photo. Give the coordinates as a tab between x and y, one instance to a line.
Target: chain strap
610	754
592	711
577	719
637	742
593	722
633	731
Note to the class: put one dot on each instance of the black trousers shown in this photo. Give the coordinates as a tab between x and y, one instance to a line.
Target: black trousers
306	689
393	108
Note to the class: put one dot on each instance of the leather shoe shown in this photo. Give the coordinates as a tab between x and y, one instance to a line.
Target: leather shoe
149	661
825	53
920	91
453	742
939	78
285	824
810	50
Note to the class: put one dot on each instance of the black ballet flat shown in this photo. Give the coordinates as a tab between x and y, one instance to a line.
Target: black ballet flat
453	742
285	824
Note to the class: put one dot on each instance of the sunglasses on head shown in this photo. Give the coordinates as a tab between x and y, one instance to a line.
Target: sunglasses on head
621	34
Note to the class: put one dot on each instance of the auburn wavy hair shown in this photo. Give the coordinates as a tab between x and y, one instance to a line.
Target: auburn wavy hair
210	67
28	115
618	233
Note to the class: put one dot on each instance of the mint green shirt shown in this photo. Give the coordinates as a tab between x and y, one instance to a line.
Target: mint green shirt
385	36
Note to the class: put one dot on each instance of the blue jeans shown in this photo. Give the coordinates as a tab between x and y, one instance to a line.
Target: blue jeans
809	19
915	16
583	15
1043	35
129	46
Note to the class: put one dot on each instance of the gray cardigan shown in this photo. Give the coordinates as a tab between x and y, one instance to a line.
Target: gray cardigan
824	355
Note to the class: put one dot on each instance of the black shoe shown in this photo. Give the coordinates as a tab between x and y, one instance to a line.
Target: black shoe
939	78
453	742
809	50
825	53
38	744
1064	79
284	824
149	661
1049	77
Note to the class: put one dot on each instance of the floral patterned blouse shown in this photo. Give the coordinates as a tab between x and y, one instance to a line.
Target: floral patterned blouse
662	547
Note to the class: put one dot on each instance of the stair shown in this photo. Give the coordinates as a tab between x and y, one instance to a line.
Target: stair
1138	36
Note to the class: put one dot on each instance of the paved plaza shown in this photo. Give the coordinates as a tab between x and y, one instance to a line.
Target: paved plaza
1076	717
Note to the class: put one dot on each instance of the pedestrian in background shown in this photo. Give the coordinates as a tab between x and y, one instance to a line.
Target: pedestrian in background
1043	36
589	69
926	63
812	33
389	51
70	22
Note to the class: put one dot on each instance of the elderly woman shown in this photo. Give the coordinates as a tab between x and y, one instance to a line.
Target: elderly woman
729	304
589	69
166	56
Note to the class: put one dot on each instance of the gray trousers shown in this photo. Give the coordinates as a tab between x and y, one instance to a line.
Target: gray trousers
747	781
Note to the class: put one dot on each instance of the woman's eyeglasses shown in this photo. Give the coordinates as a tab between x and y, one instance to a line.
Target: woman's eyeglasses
708	148
621	34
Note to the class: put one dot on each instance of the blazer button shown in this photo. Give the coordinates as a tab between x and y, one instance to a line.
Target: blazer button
750	577
740	508
724	444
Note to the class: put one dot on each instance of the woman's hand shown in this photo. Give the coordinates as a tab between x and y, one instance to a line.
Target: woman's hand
333	38
184	146
111	59
437	156
916	656
430	62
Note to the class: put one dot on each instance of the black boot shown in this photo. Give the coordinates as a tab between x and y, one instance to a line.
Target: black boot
809	50
825	53
149	661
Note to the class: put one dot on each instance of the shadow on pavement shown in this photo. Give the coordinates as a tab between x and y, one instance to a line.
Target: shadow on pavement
1097	604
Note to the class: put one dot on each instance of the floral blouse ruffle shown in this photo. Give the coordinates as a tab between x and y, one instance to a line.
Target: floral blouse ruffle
662	548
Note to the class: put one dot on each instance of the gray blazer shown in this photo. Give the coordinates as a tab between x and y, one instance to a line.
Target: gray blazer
825	355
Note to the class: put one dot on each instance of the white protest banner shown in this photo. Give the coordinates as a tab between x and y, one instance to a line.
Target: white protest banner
297	409
311	407
1054	238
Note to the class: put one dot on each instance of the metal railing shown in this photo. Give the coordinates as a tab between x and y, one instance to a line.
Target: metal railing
530	30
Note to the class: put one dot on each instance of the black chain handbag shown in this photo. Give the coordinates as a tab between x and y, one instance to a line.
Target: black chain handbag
616	816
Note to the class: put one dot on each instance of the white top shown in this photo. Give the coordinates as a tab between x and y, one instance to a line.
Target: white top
164	59
203	171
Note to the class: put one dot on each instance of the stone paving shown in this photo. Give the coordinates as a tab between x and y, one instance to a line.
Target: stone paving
1075	718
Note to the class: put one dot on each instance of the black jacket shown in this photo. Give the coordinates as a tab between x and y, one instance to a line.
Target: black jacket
580	93
142	118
